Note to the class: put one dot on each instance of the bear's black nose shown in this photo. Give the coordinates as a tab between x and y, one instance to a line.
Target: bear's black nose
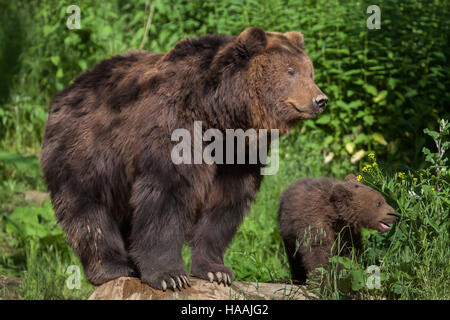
320	101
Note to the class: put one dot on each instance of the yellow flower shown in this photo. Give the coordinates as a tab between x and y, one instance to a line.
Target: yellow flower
401	174
374	164
359	177
432	188
371	155
414	179
367	167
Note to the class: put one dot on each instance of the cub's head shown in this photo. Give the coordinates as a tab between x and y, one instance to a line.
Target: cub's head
275	74
361	205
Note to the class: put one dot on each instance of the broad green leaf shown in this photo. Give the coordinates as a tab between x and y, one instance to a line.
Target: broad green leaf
355	104
358	280
369	119
82	64
59	73
431	133
371	89
378	137
324	119
55	60
381	96
357	156
350	147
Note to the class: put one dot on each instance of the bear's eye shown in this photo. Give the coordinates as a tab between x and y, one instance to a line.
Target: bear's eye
291	71
378	203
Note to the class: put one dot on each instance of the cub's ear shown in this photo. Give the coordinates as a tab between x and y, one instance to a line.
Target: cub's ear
340	194
251	41
296	38
351	177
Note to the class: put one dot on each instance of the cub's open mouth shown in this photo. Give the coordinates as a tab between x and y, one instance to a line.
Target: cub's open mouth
384	226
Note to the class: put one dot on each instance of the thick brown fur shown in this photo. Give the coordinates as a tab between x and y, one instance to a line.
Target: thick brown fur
313	212
125	206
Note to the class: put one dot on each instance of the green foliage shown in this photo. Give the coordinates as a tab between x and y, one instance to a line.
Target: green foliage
35	223
437	159
33	248
20	168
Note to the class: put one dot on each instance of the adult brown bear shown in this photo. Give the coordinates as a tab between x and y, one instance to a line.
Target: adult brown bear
125	206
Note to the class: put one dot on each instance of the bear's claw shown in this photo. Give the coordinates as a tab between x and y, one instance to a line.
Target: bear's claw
167	279
179	282
212	272
220	277
186	280
173	284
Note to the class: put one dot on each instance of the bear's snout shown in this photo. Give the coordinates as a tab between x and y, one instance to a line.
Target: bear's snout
320	101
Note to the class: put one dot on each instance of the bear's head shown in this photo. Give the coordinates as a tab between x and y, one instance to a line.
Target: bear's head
361	206
273	75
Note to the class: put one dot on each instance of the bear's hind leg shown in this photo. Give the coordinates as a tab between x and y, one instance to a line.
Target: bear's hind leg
314	255
96	239
298	272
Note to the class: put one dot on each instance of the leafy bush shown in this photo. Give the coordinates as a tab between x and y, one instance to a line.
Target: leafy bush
36	244
15	168
35	223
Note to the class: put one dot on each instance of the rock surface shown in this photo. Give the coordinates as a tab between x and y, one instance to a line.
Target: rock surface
126	288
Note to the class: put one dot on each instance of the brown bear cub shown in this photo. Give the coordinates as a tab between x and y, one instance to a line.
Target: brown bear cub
125	206
314	211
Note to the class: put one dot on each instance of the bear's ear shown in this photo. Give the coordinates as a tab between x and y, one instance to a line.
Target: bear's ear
251	41
296	38
351	178
340	194
238	52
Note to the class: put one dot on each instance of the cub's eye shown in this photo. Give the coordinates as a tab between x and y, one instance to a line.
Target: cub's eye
378	203
291	71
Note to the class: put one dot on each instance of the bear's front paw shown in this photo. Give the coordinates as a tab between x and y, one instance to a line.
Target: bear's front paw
213	272
162	280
